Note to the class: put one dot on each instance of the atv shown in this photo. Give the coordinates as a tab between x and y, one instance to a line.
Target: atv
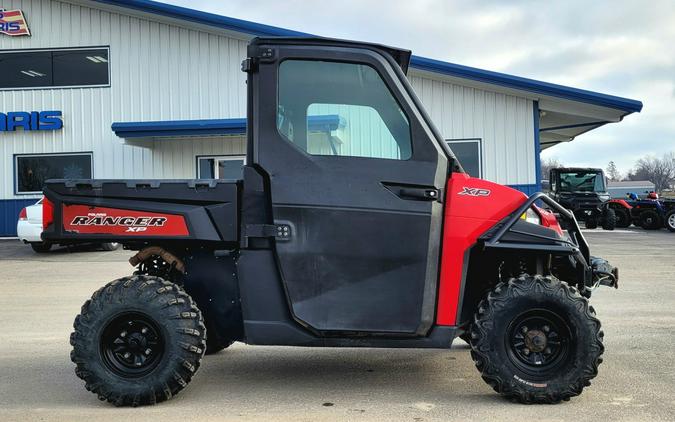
652	213
583	191
327	242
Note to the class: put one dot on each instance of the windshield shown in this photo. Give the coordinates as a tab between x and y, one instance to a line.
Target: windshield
582	182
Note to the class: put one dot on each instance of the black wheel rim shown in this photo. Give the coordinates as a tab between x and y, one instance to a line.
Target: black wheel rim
132	345
538	342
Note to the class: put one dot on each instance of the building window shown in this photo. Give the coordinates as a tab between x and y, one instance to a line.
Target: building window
54	68
469	153
31	171
351	101
223	167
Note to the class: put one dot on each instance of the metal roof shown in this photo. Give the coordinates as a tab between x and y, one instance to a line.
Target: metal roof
417	62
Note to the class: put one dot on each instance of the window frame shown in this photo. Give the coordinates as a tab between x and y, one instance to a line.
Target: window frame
40	50
15	173
216	158
478	141
385	81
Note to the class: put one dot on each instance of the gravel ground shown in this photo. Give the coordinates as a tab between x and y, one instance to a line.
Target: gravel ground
41	294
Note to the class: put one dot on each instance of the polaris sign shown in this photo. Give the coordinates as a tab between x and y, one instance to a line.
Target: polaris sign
34	120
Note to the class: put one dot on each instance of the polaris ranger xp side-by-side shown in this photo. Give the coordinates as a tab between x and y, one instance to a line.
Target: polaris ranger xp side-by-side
584	192
369	236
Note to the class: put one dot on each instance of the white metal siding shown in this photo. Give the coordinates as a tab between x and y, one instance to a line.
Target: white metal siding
158	72
504	122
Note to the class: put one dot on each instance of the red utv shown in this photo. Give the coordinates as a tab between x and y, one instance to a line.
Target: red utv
369	236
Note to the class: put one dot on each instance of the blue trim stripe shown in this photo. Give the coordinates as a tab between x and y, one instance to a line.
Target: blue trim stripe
173	128
422	63
526	84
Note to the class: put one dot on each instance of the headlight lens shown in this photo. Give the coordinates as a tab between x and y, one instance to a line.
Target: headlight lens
531	216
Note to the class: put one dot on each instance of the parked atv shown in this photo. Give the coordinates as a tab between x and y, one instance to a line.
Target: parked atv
583	191
320	246
651	212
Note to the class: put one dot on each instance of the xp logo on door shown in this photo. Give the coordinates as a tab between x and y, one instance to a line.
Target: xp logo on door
474	191
13	23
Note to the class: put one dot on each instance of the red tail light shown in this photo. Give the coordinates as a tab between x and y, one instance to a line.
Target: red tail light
47	213
23	215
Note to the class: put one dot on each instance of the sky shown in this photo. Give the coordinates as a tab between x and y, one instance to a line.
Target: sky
624	48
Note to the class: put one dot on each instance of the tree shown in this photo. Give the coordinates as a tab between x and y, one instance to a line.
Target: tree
548	164
660	171
613	173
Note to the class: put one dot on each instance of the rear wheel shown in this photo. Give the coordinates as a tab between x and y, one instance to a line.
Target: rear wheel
138	340
623	218
41	247
536	340
670	221
608	219
650	220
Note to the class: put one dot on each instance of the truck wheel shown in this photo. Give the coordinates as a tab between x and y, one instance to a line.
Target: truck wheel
623	218
41	247
670	221
608	219
650	220
591	221
110	246
536	340
137	341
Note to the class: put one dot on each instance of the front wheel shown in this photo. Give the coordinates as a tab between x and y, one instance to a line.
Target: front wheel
591	221
536	340
670	221
608	219
137	341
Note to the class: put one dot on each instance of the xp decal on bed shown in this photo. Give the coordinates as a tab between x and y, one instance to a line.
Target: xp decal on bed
376	239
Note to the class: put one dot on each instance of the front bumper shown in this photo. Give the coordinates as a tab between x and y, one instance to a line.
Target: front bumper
589	272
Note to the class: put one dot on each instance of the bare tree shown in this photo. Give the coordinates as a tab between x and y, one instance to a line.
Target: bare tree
660	171
613	173
547	165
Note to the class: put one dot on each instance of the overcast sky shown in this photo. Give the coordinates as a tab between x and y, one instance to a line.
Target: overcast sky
624	48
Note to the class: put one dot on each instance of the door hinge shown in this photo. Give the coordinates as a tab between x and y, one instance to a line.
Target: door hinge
277	231
249	65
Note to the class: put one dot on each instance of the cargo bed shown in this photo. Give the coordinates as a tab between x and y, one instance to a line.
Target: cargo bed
139	211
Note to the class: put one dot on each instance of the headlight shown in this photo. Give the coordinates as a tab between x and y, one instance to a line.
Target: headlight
531	216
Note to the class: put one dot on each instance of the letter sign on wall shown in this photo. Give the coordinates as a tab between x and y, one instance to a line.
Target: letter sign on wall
34	120
13	23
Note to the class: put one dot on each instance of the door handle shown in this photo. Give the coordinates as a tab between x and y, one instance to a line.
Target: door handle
420	194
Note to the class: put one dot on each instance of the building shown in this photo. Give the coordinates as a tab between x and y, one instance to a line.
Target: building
140	89
620	189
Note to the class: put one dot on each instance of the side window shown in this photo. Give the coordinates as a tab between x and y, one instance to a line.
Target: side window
468	152
340	109
225	167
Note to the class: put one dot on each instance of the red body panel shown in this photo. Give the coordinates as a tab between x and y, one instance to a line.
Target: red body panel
621	202
472	207
101	220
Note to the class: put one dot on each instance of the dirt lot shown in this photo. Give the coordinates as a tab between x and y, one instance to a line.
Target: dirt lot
41	294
